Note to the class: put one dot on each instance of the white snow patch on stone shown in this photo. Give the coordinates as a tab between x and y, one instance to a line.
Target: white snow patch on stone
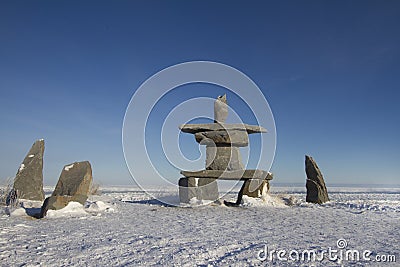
31	156
21	167
67	168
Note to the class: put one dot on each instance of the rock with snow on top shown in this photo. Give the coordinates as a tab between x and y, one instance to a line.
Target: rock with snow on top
73	185
75	180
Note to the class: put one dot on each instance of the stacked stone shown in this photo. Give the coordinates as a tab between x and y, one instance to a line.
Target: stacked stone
223	160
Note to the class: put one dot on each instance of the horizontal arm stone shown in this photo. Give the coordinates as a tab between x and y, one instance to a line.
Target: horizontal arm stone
195	128
229	175
227	138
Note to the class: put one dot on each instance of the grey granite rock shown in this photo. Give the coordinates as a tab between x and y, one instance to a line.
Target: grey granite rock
75	179
223	158
316	189
73	185
29	179
220	109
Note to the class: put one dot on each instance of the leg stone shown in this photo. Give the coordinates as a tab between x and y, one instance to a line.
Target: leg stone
188	189
255	188
208	189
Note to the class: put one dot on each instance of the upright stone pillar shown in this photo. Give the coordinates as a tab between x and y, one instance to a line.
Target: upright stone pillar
28	182
315	184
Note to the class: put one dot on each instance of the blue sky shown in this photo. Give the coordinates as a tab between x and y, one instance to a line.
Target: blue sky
329	70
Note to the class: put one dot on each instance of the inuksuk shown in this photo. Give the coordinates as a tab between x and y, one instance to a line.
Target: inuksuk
223	160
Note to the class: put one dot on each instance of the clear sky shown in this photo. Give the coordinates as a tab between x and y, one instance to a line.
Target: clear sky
330	71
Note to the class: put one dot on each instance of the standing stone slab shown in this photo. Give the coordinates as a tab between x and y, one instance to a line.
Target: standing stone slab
75	179
208	189
220	109
188	189
73	185
28	182
316	189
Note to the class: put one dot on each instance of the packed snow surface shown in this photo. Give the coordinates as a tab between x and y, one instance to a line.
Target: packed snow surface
127	227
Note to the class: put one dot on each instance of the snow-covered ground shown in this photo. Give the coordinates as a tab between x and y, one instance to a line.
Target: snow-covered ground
126	227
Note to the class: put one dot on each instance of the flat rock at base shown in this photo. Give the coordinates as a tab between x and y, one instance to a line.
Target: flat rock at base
229	175
187	189
29	179
208	189
316	189
73	185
